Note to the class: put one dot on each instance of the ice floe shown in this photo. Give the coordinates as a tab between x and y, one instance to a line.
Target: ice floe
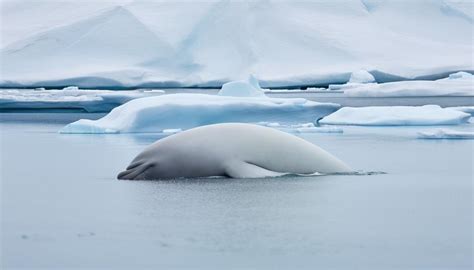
184	111
396	116
248	88
446	134
457	84
69	98
361	76
302	127
319	129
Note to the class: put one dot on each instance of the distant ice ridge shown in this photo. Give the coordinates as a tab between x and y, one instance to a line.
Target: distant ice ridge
207	43
457	84
361	76
446	134
184	111
248	88
69	98
396	116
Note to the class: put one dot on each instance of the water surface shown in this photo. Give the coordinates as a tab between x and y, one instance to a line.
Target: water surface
62	207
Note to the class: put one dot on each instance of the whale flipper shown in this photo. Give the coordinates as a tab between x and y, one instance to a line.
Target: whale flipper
242	169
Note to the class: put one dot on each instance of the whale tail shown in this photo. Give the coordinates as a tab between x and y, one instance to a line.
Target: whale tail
134	171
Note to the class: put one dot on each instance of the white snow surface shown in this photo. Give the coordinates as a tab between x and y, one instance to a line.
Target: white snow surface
396	116
184	111
184	43
69	98
446	134
457	84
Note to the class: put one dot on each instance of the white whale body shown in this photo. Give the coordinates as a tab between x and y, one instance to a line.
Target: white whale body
234	150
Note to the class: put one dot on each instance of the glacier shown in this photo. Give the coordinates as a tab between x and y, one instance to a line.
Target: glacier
184	111
396	116
125	44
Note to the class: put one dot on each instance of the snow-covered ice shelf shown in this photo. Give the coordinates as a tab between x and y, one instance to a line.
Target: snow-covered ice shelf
396	116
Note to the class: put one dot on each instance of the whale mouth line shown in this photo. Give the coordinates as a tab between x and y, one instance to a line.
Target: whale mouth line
134	171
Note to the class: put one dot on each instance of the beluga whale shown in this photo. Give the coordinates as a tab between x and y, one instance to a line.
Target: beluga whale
233	150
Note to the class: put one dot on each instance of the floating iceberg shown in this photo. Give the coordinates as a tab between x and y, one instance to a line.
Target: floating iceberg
460	75
249	88
457	84
361	76
69	98
153	114
446	134
396	116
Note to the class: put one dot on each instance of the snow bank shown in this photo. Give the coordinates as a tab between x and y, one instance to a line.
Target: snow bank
446	134
396	116
248	88
69	98
185	111
207	43
457	84
361	76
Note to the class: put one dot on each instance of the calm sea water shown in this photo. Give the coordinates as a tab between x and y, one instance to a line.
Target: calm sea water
61	205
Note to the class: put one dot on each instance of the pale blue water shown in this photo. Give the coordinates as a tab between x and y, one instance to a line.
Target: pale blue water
62	207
